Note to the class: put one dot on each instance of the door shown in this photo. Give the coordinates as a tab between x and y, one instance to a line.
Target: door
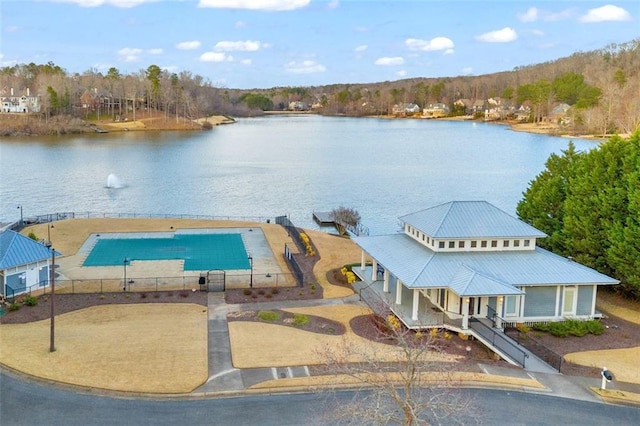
472	306
570	301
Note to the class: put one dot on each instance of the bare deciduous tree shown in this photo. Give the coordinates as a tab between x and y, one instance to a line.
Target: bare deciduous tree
407	380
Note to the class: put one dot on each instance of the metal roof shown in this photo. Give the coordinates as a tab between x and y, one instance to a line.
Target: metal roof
17	250
420	267
469	219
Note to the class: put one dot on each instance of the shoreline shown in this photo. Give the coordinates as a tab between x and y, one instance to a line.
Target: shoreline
23	125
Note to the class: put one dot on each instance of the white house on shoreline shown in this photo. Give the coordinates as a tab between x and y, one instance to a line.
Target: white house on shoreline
466	261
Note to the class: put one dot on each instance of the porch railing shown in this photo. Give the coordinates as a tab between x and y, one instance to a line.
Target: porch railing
499	340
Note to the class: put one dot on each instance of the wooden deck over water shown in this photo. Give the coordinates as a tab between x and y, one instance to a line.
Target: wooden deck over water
323	218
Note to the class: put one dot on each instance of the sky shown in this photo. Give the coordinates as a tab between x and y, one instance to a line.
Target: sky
245	44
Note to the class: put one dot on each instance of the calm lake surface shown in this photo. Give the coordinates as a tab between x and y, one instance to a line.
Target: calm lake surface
276	165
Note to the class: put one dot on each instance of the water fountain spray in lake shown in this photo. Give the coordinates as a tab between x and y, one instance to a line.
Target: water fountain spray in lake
113	181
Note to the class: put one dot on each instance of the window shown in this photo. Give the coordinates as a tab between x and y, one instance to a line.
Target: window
516	243
474	244
441	244
460	244
422	237
452	244
526	243
494	243
505	243
483	244
428	240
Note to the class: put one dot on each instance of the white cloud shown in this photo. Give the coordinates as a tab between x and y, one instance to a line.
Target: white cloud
606	13
239	46
467	70
215	57
449	52
559	16
504	35
401	73
156	51
246	61
129	54
333	4
531	15
188	45
397	60
361	48
304	67
277	5
125	4
438	43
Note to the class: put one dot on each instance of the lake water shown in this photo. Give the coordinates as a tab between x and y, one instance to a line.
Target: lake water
276	165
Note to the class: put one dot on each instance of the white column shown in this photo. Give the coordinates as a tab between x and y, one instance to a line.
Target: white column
398	292
593	301
374	270
416	304
362	260
385	285
558	297
499	312
465	313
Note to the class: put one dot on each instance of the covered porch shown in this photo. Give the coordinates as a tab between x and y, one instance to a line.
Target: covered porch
411	306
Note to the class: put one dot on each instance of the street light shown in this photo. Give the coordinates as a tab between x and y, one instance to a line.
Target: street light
251	276
49	226
21	219
52	271
125	262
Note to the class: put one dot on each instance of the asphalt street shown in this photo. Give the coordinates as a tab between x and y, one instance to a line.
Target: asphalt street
25	402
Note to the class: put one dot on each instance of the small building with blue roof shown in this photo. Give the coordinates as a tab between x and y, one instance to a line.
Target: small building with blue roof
25	264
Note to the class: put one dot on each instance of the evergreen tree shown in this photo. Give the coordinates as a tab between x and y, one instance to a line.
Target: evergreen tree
543	202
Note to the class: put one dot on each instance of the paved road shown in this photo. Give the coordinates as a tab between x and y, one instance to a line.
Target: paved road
25	403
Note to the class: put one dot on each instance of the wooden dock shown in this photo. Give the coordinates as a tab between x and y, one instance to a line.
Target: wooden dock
323	218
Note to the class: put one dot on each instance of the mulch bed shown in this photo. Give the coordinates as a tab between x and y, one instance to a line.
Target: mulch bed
272	294
618	334
64	303
315	324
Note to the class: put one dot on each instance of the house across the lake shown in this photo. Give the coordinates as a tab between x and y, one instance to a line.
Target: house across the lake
464	262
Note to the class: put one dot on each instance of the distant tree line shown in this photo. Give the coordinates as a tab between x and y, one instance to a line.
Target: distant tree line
602	87
588	203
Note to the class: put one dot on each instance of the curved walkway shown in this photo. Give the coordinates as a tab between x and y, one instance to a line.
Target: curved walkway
224	378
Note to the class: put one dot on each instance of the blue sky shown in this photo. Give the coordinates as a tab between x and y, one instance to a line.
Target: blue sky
268	43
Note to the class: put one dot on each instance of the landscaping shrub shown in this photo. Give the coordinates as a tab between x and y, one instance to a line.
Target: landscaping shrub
143	295
184	293
261	292
275	290
14	306
31	301
268	316
247	292
572	327
300	320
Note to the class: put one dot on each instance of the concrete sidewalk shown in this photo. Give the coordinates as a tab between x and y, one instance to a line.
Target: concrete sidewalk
224	378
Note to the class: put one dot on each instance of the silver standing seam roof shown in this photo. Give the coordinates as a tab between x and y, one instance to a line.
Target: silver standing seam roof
473	273
469	219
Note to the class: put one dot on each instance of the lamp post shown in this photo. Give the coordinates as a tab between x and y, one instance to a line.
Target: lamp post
21	219
49	226
251	276
125	262
52	271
